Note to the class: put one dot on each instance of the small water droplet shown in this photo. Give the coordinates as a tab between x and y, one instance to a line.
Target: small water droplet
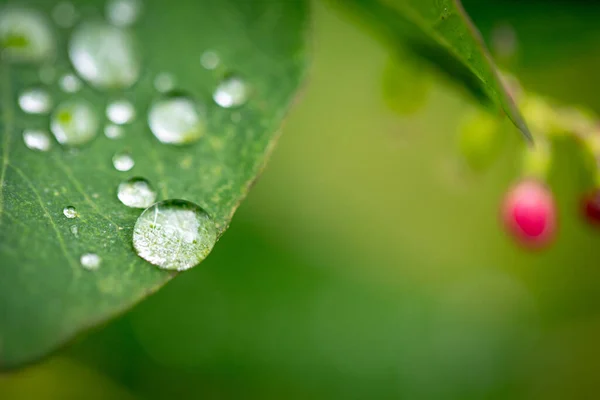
231	92
36	140
74	123
136	193
75	230
123	162
90	261
25	36
164	82
210	60
122	12
69	83
120	112
176	120
64	14
35	101
104	55
70	212
113	131
174	235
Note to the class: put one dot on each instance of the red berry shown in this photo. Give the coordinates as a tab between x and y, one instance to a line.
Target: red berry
529	214
591	207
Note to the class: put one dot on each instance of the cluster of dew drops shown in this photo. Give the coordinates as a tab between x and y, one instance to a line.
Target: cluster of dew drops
171	234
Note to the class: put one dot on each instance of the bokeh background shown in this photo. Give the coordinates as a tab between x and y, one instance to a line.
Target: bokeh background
369	262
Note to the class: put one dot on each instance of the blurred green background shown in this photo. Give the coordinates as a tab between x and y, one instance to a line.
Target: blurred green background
368	262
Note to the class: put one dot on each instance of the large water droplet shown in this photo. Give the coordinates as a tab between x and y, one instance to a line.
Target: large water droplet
36	140
90	261
176	120
69	83
174	234
25	36
120	112
122	12
74	123
70	212
35	101
113	131
123	162
231	92
136	193
64	14
210	60
105	55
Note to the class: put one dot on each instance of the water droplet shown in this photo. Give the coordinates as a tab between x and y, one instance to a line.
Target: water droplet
69	83
136	193
113	131
164	82
210	60
64	14
176	120
35	101
174	234
122	12
36	140
90	261
75	230
104	55
74	123
120	112
25	36
70	212
123	162
231	92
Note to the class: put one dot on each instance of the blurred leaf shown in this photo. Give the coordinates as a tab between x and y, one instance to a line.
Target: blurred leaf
440	32
406	84
46	297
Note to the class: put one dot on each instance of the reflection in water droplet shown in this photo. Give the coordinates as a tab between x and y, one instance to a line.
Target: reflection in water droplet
90	261
74	123
36	140
35	101
104	55
164	82
210	59
174	234
64	14
176	120
122	12
70	212
123	162
120	112
136	193
69	83
231	92
25	36
113	131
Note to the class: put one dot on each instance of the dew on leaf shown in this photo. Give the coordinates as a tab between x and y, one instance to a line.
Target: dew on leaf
174	235
35	101
112	131
176	120
123	12
90	261
74	123
210	60
120	112
36	139
25	36
164	82
104	55
64	14
123	162
74	230
231	92
70	212
69	83
136	193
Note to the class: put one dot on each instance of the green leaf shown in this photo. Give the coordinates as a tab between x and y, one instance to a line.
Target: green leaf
439	31
46	297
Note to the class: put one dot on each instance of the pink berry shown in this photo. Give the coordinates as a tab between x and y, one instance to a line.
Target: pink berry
591	207
529	214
